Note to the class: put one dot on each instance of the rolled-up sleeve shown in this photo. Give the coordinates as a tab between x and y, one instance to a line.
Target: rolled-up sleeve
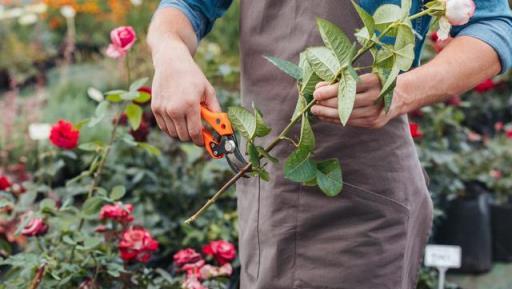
201	13
492	23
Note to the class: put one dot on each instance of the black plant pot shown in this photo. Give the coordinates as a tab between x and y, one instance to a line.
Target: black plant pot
468	224
501	216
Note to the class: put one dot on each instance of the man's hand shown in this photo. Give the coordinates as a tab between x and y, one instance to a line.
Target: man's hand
179	85
367	111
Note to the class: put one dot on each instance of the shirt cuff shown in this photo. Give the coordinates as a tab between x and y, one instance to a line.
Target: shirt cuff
496	33
196	18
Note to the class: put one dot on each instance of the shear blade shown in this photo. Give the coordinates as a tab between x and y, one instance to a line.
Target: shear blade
236	161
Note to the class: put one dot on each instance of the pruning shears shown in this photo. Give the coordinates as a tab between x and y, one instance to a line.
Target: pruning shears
222	142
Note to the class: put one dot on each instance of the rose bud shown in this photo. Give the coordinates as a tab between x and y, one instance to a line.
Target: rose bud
36	227
64	135
415	130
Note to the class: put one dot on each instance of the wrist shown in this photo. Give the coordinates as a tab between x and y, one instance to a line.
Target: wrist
405	96
170	50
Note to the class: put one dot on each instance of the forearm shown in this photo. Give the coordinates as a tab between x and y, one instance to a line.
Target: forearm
463	64
170	30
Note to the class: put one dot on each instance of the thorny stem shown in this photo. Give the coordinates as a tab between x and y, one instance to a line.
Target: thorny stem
282	136
38	277
245	169
97	174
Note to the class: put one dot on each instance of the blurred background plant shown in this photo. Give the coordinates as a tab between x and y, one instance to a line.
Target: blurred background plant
53	66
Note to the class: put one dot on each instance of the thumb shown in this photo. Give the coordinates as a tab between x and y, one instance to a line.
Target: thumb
211	100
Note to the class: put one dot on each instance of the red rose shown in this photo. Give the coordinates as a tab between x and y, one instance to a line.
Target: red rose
122	39
64	135
117	212
485	86
141	134
5	183
36	227
508	133
415	130
454	101
137	243
223	251
186	256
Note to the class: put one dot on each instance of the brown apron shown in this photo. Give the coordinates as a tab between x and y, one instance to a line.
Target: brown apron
369	237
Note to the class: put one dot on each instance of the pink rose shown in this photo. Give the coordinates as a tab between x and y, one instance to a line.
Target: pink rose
117	212
223	251
192	282
138	244
458	12
122	39
186	256
209	271
36	227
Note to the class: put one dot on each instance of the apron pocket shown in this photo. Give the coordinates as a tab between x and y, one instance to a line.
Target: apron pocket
355	240
248	202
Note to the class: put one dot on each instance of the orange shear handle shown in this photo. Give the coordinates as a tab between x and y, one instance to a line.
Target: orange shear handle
218	121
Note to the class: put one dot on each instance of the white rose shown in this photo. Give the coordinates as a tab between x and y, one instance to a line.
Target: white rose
67	11
39	131
444	28
458	12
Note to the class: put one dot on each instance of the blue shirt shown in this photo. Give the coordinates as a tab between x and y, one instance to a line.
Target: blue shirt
492	22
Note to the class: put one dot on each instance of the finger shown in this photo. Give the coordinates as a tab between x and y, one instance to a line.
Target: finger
331	102
321	83
368	81
180	124
324	111
366	98
326	92
194	125
330	119
364	112
170	128
211	100
160	122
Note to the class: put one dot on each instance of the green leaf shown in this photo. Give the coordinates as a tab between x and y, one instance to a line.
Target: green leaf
151	149
299	167
48	206
134	115
143	97
115	95
389	85
387	13
406	8
254	156
117	193
138	84
335	39
266	154
243	120
5	203
92	206
324	62
91	243
286	66
309	79
367	19
261	127
100	113
346	95
262	173
307	137
404	46
300	106
329	177
89	147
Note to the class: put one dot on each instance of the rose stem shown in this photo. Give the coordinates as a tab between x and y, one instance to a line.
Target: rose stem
245	169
